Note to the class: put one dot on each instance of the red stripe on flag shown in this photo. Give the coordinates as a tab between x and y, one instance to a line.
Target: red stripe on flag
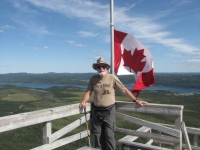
118	38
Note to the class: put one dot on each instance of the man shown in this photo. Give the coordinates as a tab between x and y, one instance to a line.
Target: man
103	114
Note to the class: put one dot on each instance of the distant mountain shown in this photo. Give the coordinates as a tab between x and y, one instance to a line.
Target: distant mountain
191	80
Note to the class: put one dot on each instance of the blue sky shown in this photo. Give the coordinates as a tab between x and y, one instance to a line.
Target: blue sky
40	36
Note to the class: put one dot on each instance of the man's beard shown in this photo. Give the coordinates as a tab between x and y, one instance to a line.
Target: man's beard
102	73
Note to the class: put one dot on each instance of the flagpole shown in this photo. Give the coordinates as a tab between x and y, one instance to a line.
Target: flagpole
112	34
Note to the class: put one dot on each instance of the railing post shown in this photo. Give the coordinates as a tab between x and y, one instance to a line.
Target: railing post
46	132
195	140
185	134
178	123
160	135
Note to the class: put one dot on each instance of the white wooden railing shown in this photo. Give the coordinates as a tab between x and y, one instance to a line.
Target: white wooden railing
172	134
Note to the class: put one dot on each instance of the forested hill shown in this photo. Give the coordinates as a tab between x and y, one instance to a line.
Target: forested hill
191	80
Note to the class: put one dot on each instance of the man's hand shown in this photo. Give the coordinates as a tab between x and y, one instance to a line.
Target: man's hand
82	105
86	97
141	102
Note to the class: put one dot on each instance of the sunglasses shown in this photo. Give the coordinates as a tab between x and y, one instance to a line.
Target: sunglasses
99	67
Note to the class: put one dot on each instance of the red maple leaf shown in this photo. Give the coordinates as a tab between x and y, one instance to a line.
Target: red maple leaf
134	61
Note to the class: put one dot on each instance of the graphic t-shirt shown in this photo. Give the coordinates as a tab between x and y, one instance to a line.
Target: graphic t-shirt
104	89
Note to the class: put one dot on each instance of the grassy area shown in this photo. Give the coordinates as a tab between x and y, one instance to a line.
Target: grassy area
20	97
14	100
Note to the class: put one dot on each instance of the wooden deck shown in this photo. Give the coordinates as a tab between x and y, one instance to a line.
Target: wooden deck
87	148
172	135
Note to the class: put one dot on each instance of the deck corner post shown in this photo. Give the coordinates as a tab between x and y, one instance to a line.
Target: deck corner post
46	132
178	123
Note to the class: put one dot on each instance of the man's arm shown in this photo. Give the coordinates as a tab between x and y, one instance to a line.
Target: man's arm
86	97
132	97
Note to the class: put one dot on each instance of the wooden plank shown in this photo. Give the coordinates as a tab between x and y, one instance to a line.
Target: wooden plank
163	142
149	142
193	147
178	146
39	119
151	125
195	131
183	128
56	135
143	146
32	114
133	138
150	105
190	130
87	148
18	117
39	113
148	135
184	145
195	140
62	142
174	110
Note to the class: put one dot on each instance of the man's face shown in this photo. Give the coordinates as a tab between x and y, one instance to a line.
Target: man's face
101	69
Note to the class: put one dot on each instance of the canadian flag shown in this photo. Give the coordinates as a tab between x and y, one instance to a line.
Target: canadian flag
132	57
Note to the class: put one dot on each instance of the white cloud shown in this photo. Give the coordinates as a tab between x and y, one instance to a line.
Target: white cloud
182	2
27	18
35	48
7	27
194	61
87	10
197	52
70	41
46	47
87	34
74	43
99	52
174	56
146	27
80	45
35	28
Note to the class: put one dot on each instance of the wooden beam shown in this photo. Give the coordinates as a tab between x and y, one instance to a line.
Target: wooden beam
195	140
87	148
151	125
133	138
190	130
39	113
143	146
56	135
195	131
193	147
165	138
31	119
62	142
149	142
183	128
174	110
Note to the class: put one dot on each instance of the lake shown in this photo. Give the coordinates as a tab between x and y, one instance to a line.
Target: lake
129	86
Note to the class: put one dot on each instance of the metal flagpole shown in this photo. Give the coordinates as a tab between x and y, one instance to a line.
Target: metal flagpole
112	34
